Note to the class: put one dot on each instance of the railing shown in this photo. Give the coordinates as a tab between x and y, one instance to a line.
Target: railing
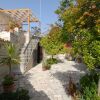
27	46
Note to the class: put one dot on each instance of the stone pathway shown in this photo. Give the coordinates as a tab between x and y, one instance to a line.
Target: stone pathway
50	85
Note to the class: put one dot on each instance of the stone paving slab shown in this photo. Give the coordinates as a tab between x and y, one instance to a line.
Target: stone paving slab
49	85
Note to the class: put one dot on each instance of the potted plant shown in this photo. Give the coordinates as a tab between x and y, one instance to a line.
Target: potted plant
68	45
22	94
8	84
12	25
69	53
46	66
52	61
78	58
12	56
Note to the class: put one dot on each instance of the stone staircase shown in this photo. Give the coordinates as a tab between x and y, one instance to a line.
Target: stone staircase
27	52
26	55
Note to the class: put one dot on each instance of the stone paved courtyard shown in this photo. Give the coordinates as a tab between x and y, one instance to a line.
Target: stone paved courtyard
50	85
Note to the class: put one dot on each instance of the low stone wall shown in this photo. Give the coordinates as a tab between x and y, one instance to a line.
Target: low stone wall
3	71
3	68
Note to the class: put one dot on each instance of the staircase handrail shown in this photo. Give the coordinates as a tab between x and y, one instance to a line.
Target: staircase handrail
27	46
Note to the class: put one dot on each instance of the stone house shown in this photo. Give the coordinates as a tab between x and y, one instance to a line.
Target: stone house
27	46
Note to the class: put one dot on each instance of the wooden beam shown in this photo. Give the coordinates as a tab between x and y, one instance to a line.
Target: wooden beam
18	13
28	22
11	10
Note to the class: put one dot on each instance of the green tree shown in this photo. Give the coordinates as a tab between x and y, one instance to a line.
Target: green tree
52	43
81	24
12	56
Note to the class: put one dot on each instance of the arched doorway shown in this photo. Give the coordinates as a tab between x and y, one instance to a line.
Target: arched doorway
39	53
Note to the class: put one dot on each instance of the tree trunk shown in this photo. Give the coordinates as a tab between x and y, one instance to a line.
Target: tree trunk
52	56
10	68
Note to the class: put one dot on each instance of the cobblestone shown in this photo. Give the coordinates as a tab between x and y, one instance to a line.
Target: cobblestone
48	85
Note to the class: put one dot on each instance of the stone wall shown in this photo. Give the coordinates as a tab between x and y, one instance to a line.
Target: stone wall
3	71
3	68
21	39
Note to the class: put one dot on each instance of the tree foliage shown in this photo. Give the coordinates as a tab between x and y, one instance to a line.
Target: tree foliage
36	31
52	43
81	23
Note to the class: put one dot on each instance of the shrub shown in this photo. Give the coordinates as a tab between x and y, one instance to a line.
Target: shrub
47	63
89	78
22	94
90	93
45	66
8	80
7	96
89	86
51	61
18	95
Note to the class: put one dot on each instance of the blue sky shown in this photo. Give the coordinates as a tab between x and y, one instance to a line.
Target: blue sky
47	9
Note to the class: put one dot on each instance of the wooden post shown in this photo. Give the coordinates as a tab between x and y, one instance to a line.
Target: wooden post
28	22
28	31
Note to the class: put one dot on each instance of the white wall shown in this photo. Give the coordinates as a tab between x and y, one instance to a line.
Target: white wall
9	36
5	35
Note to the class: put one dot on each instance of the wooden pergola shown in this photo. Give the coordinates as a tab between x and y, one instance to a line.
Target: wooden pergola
21	15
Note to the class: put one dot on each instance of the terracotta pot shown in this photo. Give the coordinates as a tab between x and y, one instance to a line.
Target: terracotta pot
9	88
79	60
44	69
68	45
68	57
